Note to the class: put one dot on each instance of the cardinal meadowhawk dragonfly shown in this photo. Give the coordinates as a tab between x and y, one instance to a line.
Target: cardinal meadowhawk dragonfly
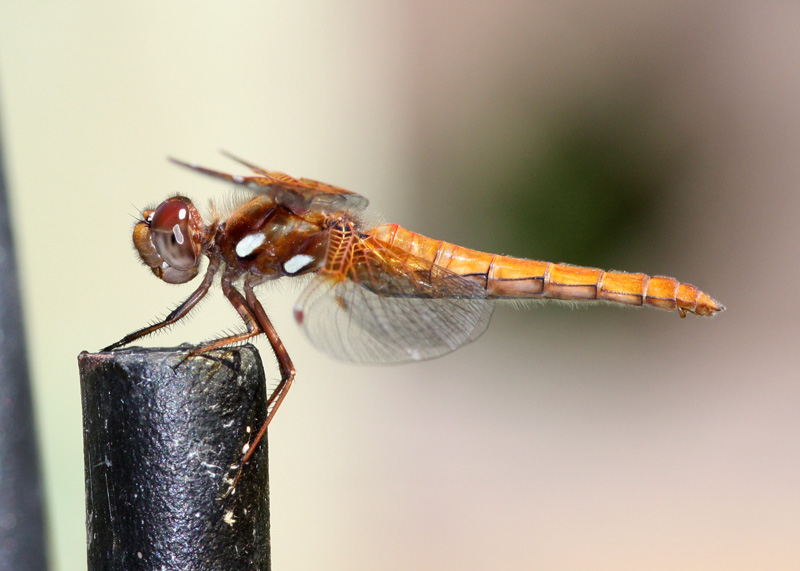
377	295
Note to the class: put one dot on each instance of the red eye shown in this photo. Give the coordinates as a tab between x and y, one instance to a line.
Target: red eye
172	236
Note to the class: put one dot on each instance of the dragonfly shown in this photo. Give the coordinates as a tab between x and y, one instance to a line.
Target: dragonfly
377	295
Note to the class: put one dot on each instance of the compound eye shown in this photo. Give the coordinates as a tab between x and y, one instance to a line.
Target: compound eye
172	236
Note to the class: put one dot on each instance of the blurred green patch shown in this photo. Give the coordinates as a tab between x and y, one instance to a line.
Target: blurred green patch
586	196
589	191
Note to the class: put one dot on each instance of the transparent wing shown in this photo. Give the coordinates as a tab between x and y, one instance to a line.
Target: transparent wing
298	194
391	307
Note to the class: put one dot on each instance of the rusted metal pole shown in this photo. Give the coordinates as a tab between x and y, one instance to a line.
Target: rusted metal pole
22	538
163	436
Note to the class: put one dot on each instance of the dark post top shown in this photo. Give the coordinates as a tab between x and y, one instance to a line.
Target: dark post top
163	437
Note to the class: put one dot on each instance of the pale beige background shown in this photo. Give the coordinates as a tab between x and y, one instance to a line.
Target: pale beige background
595	439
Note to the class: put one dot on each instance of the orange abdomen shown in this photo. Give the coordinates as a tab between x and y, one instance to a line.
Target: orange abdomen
515	278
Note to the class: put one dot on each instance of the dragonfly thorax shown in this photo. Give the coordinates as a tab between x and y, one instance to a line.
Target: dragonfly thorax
268	240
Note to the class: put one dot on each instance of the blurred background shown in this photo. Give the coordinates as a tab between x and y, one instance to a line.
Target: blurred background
659	137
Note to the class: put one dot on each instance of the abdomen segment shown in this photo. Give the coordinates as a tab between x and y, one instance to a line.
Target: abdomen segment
504	277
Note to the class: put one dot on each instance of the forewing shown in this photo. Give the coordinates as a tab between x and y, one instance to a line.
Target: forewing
391	308
296	194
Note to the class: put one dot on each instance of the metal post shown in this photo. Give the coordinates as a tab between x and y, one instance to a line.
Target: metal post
164	433
22	538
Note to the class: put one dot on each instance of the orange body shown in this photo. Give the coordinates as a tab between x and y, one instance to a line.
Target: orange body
384	295
514	278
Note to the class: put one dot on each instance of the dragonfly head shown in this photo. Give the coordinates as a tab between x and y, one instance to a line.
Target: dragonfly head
169	240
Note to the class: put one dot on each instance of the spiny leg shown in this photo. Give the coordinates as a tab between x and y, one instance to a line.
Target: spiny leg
240	304
176	313
285	366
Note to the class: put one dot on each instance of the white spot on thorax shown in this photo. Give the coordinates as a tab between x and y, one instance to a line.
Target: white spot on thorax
182	213
249	243
297	263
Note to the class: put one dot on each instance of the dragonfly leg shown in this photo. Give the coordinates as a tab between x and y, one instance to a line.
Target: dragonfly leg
240	304
285	366
176	314
252	313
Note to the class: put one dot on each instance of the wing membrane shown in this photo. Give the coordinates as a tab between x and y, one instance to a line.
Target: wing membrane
297	194
386	306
